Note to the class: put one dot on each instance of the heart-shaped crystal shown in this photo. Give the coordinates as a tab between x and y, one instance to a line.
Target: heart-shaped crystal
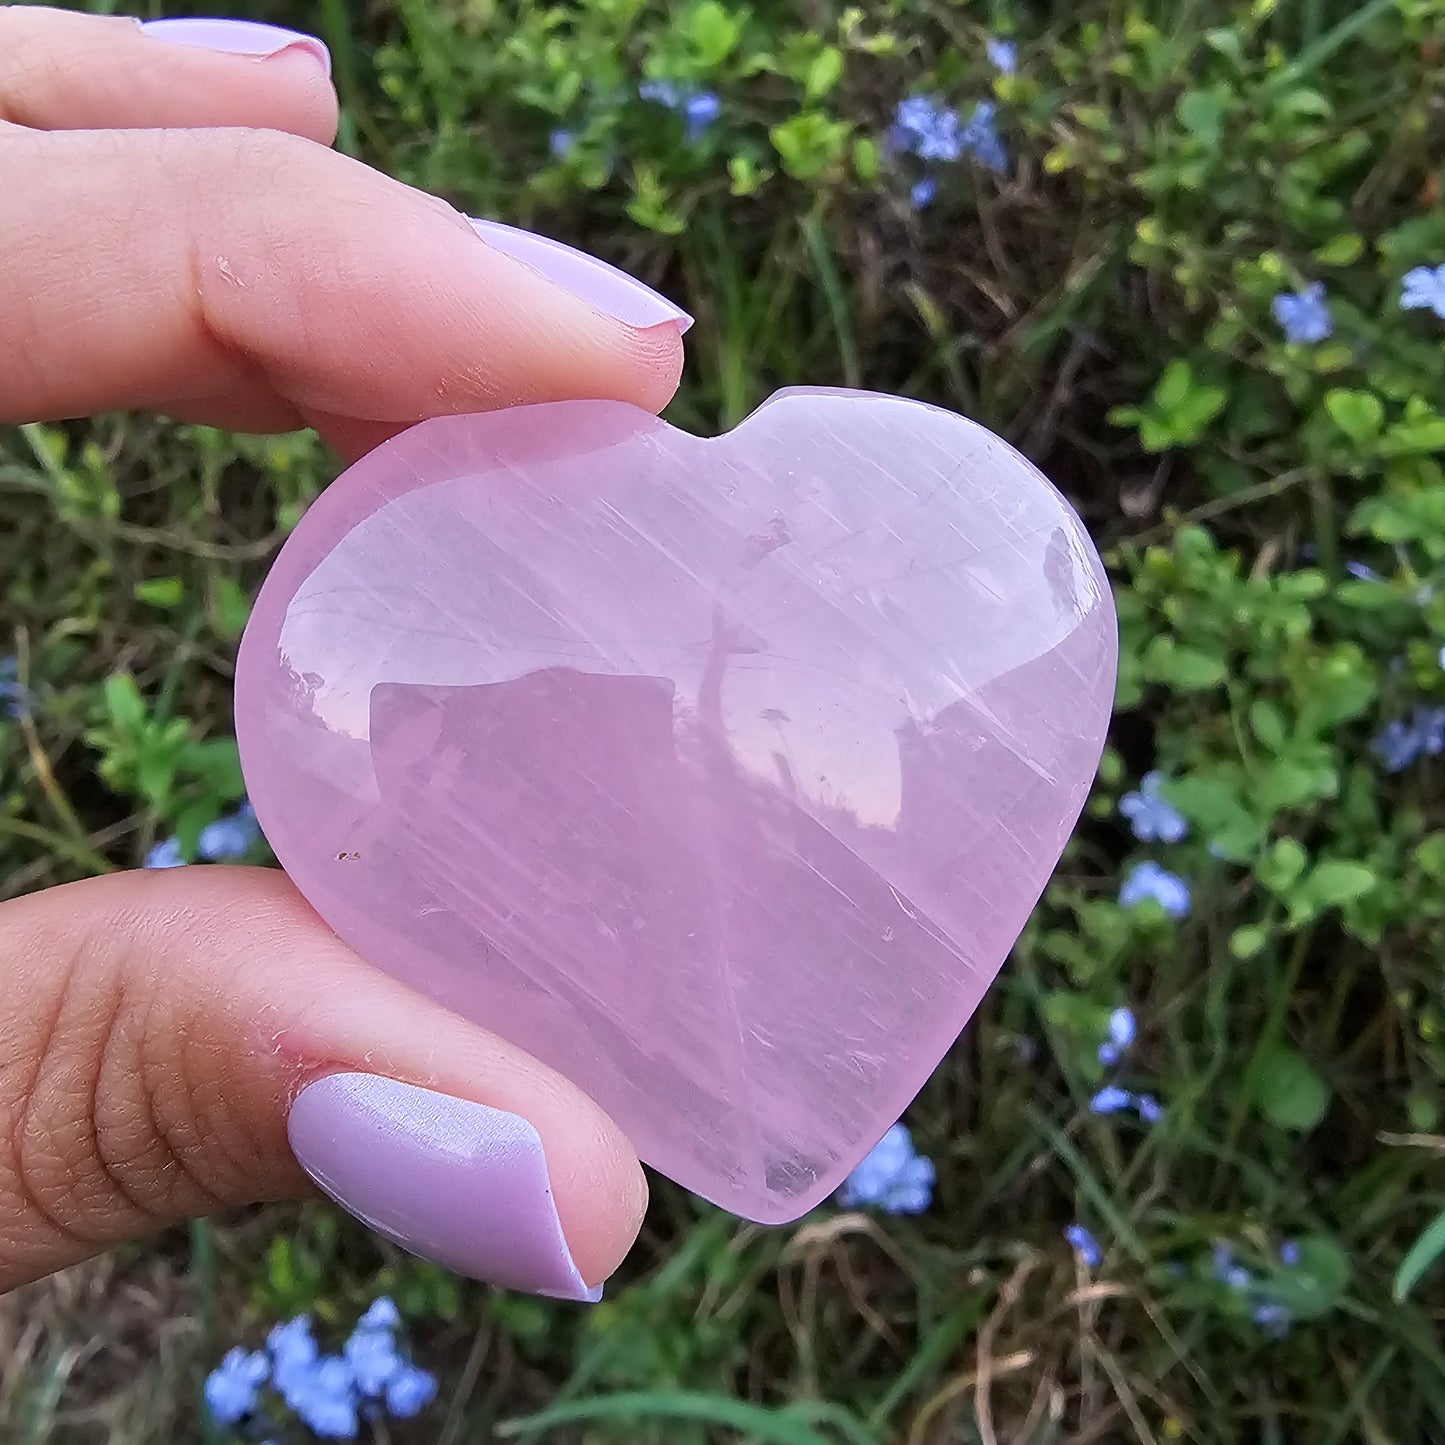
720	775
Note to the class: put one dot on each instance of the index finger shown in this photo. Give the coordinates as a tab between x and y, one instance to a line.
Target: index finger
256	280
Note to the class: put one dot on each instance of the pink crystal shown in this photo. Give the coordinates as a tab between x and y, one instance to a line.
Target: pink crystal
721	775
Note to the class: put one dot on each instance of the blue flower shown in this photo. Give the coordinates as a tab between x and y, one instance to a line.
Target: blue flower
230	837
1424	289
1303	315
409	1392
981	139
1122	1030
661	92
14	699
1289	1254
1151	818
923	192
893	1176
700	110
381	1314
1110	1100
230	1389
372	1357
325	1402
1402	741
1149	881
1084	1245
166	854
927	129
1363	573
1003	55
294	1355
560	143
1273	1319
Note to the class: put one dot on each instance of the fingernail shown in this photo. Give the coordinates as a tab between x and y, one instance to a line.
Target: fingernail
236	37
458	1183
593	281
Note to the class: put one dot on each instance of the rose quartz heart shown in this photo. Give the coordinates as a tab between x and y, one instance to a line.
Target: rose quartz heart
721	775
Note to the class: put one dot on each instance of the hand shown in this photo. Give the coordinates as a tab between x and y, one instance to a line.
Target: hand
176	236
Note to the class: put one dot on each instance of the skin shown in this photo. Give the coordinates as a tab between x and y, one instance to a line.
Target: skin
177	237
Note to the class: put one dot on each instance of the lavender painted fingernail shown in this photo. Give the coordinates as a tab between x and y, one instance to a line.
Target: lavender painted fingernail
236	37
459	1183
593	281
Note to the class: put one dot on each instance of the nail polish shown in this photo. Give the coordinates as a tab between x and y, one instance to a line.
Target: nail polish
592	280
236	37
459	1183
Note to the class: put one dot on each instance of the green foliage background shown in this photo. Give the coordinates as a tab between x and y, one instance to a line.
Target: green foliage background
1105	306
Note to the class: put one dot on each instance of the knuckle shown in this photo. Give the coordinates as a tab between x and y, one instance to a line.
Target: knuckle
106	1129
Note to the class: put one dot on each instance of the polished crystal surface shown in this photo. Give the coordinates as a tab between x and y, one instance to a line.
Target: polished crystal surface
719	774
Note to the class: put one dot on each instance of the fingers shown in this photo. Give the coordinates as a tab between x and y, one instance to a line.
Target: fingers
65	71
253	280
167	1039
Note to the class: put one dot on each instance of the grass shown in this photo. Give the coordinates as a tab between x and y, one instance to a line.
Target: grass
1028	308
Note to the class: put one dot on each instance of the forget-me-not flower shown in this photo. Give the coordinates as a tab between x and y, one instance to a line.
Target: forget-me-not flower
698	108
980	138
166	854
1003	55
326	1400
1303	315
1111	1099
409	1392
560	142
230	837
1151	818
1273	1319
926	129
14	699
1084	1245
231	1388
1289	1254
1402	741
923	192
699	111
661	92
1121	1032
1149	881
1423	289
893	1176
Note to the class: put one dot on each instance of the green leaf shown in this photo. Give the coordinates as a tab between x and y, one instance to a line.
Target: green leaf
710	32
1201	113
1268	724
232	608
1248	942
1419	1257
1359	414
1342	250
1281	865
825	71
123	702
160	591
1430	855
1314	1286
1288	1092
809	143
1335	882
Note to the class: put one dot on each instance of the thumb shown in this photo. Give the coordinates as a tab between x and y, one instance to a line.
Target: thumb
174	1043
